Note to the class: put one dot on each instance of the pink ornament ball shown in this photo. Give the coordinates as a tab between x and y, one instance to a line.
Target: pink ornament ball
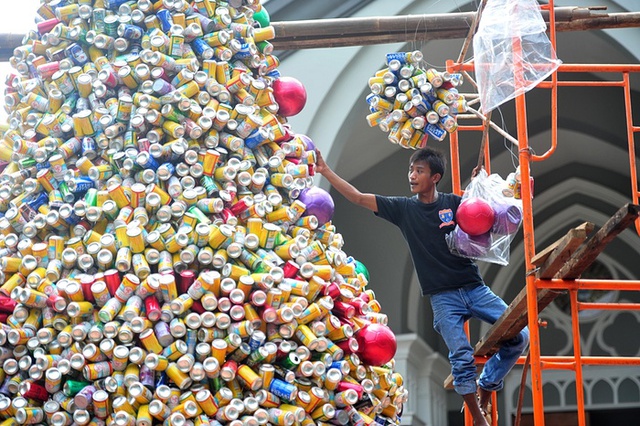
290	95
475	216
377	344
472	245
319	204
507	219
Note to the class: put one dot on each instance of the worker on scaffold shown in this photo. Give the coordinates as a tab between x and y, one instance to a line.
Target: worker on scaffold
453	284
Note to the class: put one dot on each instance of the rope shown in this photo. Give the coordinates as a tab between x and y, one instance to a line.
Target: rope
522	387
472	31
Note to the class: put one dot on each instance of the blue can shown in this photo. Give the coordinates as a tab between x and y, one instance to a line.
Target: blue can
38	200
191	339
274	73
130	32
89	147
256	340
162	379
165	171
80	185
435	131
146	161
244	52
76	53
202	48
71	219
44	165
257	137
114	4
282	389
164	16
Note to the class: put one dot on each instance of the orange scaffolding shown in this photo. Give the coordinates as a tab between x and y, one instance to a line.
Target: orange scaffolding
576	362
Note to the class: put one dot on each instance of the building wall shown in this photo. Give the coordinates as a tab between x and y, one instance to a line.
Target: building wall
587	178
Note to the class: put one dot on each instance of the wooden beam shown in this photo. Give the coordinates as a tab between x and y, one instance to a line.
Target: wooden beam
341	32
585	256
561	254
542	256
393	29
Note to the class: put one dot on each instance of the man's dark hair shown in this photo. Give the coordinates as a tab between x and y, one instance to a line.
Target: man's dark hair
435	160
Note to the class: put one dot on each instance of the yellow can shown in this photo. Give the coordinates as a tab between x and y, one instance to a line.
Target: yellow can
181	379
136	239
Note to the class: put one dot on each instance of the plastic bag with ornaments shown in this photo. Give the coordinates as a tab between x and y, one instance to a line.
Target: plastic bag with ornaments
487	221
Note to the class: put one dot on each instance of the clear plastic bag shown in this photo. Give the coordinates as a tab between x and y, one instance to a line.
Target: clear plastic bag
484	205
512	52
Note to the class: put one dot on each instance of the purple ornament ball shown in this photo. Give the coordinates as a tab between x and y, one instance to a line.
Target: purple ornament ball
306	142
319	203
507	219
472	245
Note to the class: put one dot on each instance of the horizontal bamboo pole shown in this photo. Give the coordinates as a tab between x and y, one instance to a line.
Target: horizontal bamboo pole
391	29
341	32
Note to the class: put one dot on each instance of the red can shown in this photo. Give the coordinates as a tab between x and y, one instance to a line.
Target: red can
34	391
185	279
291	269
112	279
86	281
152	307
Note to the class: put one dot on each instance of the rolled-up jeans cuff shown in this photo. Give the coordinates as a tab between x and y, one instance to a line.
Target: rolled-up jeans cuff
491	387
465	388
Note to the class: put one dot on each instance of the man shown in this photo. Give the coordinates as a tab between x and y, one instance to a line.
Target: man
453	284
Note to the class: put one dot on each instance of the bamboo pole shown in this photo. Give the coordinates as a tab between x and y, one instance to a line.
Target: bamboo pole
379	30
341	32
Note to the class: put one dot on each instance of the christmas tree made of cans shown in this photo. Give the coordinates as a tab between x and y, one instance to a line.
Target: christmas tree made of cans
166	258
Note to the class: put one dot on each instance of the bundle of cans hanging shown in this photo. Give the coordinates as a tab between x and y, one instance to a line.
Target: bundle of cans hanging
157	266
412	104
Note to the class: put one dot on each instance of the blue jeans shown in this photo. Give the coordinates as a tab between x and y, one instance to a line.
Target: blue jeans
450	310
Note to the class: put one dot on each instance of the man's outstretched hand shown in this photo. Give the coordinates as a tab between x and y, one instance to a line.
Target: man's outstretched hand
321	165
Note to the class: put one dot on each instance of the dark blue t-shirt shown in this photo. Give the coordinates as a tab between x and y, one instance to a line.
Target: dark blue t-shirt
424	227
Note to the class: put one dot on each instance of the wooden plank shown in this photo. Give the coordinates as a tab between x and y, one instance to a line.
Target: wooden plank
541	257
585	256
564	251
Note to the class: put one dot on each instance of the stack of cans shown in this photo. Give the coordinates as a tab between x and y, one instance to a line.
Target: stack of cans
157	266
413	104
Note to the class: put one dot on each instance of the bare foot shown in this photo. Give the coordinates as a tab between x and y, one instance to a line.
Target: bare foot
484	397
471	401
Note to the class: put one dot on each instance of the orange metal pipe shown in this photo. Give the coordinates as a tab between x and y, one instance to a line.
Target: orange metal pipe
632	145
554	90
577	353
550	365
529	251
567	83
586	360
577	68
596	360
581	284
455	164
583	306
470	128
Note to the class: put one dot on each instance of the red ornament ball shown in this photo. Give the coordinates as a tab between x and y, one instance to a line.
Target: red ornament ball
377	344
290	95
475	216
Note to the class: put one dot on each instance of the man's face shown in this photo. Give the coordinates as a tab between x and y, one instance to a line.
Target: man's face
420	178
